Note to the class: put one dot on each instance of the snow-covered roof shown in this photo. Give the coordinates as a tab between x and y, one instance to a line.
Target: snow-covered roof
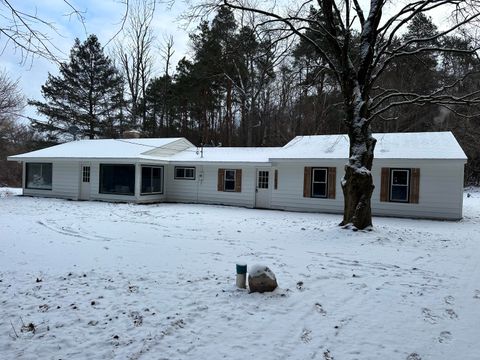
424	145
100	149
420	145
226	154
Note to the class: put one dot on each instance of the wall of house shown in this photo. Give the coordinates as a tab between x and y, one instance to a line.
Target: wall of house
64	181
441	189
289	194
440	196
204	188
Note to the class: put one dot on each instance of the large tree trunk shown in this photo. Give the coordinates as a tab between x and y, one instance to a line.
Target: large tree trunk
357	184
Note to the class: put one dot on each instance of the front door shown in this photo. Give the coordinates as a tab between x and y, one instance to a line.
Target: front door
84	182
262	194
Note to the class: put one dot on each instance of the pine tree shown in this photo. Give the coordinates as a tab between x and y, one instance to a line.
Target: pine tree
86	94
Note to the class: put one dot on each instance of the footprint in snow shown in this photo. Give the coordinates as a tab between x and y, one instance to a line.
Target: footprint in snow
320	309
450	300
327	355
137	318
428	316
306	336
451	314
414	356
445	337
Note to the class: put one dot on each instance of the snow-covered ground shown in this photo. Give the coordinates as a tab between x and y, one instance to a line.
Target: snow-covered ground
92	280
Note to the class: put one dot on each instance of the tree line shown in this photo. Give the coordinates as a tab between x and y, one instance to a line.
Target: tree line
243	87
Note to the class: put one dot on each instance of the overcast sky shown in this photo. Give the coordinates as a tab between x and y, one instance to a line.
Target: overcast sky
102	17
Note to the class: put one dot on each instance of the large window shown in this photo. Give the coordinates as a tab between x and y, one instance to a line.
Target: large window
39	176
184	173
319	182
399	185
117	179
152	180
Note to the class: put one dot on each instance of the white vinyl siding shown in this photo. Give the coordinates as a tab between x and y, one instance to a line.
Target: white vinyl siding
65	181
289	195
204	189
440	195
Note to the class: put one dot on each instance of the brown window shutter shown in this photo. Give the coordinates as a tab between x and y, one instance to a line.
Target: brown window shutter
275	180
385	184
307	182
415	186
221	180
238	180
332	182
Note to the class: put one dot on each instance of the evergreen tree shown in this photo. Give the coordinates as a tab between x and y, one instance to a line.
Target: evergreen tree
86	94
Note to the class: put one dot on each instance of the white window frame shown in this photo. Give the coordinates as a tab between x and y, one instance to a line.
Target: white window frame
151	179
184	168
264	183
408	171
320	182
234	180
86	173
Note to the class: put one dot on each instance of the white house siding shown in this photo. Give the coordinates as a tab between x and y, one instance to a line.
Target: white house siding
440	197
204	188
65	180
289	194
180	190
441	189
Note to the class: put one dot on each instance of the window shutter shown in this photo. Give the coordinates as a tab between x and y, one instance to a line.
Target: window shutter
307	182
221	180
385	184
238	180
332	182
415	186
275	180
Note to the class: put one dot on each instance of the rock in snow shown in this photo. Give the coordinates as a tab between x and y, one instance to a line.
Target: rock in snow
261	279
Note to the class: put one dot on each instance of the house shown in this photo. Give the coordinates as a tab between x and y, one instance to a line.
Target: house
416	174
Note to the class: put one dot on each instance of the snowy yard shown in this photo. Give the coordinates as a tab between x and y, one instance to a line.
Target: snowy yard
84	280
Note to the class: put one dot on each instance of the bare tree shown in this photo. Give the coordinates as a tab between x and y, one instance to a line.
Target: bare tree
357	61
166	52
12	100
134	52
30	34
12	103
